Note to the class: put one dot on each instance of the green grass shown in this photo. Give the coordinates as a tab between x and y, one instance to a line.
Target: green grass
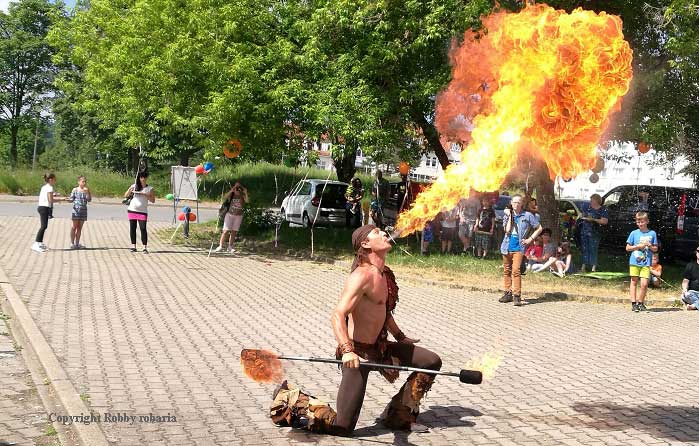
456	269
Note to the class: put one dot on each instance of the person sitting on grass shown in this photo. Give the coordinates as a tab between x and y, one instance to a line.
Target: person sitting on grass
564	261
549	255
656	270
534	253
690	283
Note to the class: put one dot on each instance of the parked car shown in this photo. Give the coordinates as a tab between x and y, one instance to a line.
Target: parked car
569	212
396	193
673	213
301	205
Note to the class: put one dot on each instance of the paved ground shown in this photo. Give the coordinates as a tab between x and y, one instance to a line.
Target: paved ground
160	334
23	419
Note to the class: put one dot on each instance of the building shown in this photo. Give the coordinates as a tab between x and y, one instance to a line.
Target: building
625	165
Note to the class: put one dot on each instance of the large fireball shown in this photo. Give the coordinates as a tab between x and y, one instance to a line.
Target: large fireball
541	81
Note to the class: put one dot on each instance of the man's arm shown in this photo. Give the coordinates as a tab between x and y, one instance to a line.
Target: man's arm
349	298
397	333
685	286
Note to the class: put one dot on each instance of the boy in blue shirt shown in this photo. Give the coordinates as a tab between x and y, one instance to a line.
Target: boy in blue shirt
642	243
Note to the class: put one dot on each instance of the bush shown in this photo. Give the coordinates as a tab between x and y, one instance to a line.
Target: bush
257	220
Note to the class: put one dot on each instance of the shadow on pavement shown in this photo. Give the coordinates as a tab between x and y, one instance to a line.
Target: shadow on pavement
437	417
663	309
677	423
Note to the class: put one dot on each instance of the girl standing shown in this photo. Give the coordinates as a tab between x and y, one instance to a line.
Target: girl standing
47	197
80	196
232	211
140	193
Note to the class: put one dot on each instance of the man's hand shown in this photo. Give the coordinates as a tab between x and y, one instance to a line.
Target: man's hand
351	360
408	340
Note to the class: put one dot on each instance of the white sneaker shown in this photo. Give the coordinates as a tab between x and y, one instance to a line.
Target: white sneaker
43	246
219	248
232	250
73	247
36	247
79	246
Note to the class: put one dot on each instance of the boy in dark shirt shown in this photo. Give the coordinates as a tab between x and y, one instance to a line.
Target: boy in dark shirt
690	283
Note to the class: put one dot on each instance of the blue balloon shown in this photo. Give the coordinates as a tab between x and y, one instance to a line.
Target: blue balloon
208	165
186	209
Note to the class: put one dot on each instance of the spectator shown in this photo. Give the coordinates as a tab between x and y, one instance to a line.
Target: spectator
449	224
403	197
641	244
656	271
484	226
47	197
140	193
376	210
521	228
533	208
534	253
232	210
354	195
594	217
550	251
427	238
379	193
468	214
80	196
564	260
690	283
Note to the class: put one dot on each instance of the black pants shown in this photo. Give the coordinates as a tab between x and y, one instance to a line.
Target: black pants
353	220
44	215
144	232
350	396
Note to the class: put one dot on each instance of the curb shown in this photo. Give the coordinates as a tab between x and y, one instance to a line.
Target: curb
546	295
88	435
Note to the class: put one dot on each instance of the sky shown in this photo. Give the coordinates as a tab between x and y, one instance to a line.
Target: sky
5	3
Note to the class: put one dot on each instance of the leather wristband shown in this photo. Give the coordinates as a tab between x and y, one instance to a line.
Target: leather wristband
347	347
399	336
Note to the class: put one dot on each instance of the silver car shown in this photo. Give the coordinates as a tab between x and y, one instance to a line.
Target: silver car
316	197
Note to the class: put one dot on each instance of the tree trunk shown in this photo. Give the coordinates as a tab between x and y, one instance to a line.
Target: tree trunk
14	129
344	162
184	158
546	200
432	139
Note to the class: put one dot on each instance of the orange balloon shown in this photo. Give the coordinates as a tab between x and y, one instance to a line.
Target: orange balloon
232	148
192	216
403	168
643	147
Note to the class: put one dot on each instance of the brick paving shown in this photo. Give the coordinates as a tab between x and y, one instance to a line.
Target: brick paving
160	333
23	419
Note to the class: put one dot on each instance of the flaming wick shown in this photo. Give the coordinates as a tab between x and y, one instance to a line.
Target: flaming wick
261	366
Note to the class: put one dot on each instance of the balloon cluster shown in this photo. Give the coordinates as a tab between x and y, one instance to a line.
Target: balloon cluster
204	168
187	213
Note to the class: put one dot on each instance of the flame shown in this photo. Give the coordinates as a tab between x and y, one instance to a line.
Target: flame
486	364
261	366
541	83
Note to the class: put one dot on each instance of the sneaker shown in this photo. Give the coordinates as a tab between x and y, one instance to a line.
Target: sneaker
641	307
145	250
634	307
132	249
686	300
36	247
43	246
73	247
517	300
219	248
79	246
556	273
506	297
232	250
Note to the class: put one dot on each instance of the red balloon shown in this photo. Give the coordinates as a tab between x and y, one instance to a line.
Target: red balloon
192	216
180	216
199	169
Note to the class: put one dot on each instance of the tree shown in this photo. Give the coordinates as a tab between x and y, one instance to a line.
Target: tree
26	69
375	69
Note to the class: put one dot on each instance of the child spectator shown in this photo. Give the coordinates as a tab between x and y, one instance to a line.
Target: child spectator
550	250
427	238
564	260
450	221
534	253
642	243
47	197
656	270
690	283
376	210
484	226
80	196
468	214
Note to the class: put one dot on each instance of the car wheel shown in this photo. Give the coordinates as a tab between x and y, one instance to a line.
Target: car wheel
306	221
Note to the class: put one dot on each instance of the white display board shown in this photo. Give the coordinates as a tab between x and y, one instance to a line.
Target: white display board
184	183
